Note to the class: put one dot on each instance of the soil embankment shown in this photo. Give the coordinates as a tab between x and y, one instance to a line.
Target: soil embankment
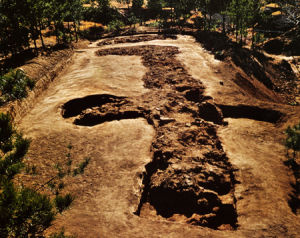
43	70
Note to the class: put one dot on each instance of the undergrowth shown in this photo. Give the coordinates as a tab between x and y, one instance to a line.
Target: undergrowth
14	85
26	212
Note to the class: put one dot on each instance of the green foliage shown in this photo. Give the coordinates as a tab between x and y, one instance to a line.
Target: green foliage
115	26
258	38
132	19
155	6
293	138
244	14
137	4
60	234
63	202
81	167
14	85
23	21
23	212
101	11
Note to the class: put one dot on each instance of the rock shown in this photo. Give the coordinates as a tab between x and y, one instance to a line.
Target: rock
165	120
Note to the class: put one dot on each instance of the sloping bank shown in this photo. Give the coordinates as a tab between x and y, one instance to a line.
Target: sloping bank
43	70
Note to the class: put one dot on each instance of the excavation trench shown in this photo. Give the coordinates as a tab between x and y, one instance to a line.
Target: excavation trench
174	170
251	112
190	178
200	188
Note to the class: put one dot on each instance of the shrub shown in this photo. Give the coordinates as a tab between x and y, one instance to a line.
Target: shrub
14	84
293	138
63	202
23	211
81	167
115	26
60	234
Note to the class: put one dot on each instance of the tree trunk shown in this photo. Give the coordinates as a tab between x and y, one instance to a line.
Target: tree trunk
35	46
70	33
41	36
252	40
75	29
223	23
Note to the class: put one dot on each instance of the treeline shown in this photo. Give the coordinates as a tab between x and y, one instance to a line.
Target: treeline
234	16
22	22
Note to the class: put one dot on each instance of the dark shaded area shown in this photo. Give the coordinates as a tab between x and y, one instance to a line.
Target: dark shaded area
76	106
168	202
274	46
251	112
24	57
294	197
287	43
95	119
210	112
16	60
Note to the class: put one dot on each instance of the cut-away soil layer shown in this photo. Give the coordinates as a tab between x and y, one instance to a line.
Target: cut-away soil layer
189	154
43	70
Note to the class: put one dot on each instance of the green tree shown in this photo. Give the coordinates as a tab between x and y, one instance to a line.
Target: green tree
14	32
241	15
23	212
137	4
155	7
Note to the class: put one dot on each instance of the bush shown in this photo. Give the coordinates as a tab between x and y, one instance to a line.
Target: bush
60	234
63	202
115	26
293	138
81	167
23	211
92	33
14	84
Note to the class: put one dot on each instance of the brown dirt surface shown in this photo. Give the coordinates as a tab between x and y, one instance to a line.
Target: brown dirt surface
181	144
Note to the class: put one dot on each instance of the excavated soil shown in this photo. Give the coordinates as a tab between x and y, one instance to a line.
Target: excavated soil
177	147
134	39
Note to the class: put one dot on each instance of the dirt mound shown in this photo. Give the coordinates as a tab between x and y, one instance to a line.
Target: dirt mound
134	39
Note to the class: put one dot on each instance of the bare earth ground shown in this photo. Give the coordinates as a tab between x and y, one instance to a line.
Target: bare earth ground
177	147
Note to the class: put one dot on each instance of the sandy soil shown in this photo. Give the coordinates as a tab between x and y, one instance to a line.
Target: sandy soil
112	188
